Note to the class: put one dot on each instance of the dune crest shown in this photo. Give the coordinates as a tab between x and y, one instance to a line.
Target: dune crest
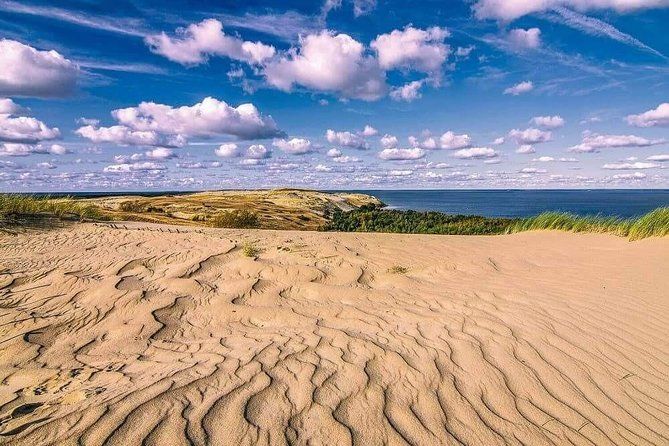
146	334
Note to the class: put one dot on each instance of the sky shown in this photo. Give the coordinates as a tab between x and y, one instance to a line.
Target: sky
136	95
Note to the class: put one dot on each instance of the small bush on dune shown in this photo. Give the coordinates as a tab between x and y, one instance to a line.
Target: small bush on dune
397	269
250	250
132	206
238	218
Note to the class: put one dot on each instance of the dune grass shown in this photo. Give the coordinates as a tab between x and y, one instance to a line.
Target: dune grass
652	224
18	207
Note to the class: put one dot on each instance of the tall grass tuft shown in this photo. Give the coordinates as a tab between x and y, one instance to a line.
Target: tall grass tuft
20	207
653	224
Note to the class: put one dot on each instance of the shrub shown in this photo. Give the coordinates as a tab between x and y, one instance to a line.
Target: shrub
397	269
250	250
132	206
238	218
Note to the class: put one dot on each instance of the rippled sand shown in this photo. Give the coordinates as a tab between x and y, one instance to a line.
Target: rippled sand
137	334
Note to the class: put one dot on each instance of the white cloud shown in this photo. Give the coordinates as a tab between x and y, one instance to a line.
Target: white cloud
660	158
475	153
345	159
346	139
210	117
330	62
407	92
630	176
525	149
23	129
499	141
124	136
30	72
9	107
194	44
451	141
548	122
333	153
532	170
19	149
651	118
464	51
508	10
294	146
161	153
400	173
629	166
369	131
520	88
428	143
544	159
257	152
389	141
322	168
229	150
134	167
530	136
522	39
419	49
152	124
401	154
594	142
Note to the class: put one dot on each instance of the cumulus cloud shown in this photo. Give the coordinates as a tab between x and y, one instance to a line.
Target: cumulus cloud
520	88
257	152
452	141
651	118
9	107
532	170
19	149
401	154
475	153
499	141
408	92
294	146
530	136
508	10
161	153
594	142
30	72
369	131
464	51
333	153
345	159
389	141
525	149
418	49
23	129
346	139
194	44
329	62
400	173
229	150
660	158
522	39
152	124
548	122
630	176
322	168
630	166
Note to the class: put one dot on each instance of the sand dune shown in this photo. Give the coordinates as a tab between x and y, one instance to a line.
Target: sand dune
130	334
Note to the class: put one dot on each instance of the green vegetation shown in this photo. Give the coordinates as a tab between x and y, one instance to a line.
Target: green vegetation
237	218
397	269
249	249
19	208
375	219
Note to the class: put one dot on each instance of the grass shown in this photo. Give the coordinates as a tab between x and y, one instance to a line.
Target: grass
17	208
249	249
374	219
398	269
237	218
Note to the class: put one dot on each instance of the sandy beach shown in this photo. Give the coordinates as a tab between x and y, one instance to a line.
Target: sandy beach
133	333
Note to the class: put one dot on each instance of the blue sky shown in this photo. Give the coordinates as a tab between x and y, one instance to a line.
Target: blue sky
342	94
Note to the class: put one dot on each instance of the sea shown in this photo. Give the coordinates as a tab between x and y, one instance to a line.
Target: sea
622	203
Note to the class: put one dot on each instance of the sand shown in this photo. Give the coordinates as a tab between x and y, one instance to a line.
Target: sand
128	334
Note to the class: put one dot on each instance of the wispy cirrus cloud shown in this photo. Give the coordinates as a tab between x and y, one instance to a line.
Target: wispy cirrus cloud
596	27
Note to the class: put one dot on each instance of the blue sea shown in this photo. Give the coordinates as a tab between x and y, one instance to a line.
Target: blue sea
523	203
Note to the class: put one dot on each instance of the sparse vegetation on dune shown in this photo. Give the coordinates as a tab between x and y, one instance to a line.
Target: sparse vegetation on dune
17	208
237	218
375	219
